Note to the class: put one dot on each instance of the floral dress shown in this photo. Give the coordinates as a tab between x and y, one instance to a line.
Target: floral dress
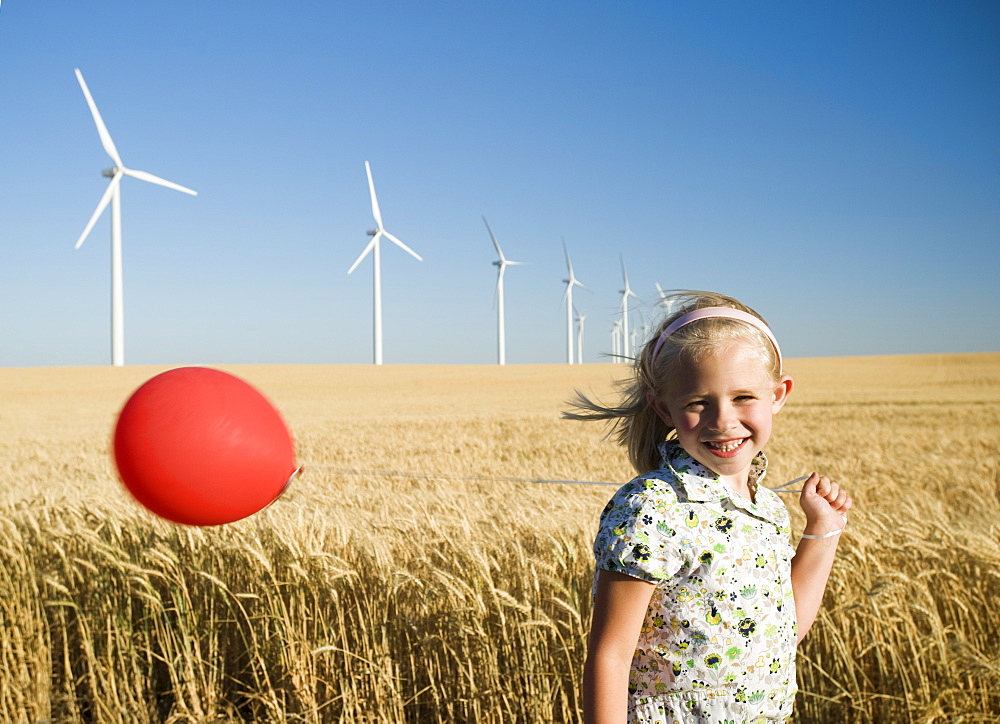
718	641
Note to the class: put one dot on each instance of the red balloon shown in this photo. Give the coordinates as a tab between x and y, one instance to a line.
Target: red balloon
202	447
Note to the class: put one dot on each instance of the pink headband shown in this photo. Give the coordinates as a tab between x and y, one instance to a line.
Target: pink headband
720	312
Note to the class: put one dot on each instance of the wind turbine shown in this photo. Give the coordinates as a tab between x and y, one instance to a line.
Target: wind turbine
377	233
568	298
580	319
113	195
616	338
501	264
666	301
626	293
646	326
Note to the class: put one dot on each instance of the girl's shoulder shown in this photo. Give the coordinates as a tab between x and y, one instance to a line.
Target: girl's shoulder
655	489
662	481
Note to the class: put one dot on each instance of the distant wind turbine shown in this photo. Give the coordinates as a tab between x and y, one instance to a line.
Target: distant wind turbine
568	298
501	264
113	195
580	319
616	341
373	246
626	293
666	301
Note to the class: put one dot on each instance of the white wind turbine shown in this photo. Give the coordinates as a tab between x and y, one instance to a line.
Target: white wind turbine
665	301
568	298
646	327
580	319
377	233
502	263
113	195
626	293
616	341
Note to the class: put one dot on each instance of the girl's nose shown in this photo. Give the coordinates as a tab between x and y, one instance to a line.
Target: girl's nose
723	419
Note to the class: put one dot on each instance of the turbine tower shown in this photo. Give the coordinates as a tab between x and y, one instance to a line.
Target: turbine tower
568	298
501	264
580	319
616	339
373	246
626	293
113	195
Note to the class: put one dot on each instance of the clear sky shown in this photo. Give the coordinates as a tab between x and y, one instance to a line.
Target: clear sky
834	165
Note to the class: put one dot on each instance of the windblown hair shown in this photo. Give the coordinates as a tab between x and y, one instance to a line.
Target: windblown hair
633	422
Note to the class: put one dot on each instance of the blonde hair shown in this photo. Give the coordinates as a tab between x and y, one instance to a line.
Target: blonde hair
634	422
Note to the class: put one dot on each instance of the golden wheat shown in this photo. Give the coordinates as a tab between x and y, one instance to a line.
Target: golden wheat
411	575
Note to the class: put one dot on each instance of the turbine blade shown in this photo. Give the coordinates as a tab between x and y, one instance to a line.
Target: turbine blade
101	205
402	246
371	189
102	130
628	290
494	239
371	245
569	264
146	176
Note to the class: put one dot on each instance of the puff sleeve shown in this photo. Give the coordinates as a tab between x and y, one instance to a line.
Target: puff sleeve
638	535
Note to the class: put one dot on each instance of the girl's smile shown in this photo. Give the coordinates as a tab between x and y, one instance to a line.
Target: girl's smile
725	449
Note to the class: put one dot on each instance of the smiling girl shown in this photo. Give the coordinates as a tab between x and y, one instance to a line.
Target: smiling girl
698	602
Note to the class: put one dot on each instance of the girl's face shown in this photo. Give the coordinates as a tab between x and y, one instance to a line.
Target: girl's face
721	407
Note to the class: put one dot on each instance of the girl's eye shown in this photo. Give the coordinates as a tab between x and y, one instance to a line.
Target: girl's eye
745	398
696	405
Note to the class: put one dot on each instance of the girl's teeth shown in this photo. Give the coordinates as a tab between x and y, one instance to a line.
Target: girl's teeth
725	447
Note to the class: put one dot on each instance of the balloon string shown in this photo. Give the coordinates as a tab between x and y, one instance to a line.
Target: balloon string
451	476
486	478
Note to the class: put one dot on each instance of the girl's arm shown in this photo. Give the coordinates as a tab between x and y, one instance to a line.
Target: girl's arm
619	610
824	504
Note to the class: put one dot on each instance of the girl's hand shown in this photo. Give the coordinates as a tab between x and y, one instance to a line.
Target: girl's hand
825	504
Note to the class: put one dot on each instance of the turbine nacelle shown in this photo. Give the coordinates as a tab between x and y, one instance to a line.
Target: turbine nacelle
109	172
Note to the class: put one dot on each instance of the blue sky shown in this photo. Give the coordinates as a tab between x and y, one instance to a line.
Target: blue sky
836	166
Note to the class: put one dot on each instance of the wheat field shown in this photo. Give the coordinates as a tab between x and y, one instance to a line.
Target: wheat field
414	573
